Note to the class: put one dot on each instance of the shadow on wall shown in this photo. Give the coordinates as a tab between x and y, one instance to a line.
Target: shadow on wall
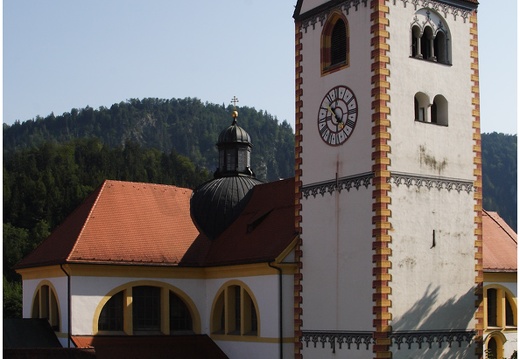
438	330
428	314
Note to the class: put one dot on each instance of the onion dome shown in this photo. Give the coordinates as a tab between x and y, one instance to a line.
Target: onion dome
215	204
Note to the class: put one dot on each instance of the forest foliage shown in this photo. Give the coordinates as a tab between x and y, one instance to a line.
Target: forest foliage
499	175
51	164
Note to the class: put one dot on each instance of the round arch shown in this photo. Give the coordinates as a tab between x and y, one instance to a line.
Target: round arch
431	33
328	44
53	306
508	295
499	340
190	304
220	293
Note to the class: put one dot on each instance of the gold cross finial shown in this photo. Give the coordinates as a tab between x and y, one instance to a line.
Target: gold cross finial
234	100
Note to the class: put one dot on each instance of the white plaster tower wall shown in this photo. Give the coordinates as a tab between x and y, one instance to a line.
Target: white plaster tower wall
432	229
336	214
397	257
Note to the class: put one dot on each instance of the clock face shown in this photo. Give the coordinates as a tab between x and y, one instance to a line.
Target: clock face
337	115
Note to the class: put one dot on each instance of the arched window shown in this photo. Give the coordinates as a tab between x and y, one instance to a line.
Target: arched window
335	43
440	47
436	113
430	37
421	104
45	306
416	42
146	309
234	312
501	311
492	349
338	43
439	111
427	44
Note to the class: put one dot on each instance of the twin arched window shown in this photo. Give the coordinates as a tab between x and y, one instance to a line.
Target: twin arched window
335	43
430	39
435	112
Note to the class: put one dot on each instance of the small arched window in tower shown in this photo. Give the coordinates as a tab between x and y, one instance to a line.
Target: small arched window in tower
335	43
421	104
416	42
439	111
427	44
338	43
440	50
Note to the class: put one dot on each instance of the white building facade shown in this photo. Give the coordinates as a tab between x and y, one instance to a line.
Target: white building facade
388	159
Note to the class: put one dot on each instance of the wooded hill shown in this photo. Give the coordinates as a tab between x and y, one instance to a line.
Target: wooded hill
186	126
51	164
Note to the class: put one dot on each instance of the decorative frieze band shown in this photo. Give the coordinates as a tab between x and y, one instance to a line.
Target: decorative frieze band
340	338
337	185
348	5
396	178
440	7
431	337
449	184
356	340
320	17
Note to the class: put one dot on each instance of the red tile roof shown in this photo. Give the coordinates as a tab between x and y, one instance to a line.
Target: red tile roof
164	346
499	244
122	222
150	224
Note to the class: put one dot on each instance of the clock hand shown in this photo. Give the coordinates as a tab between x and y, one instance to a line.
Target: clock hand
331	110
339	120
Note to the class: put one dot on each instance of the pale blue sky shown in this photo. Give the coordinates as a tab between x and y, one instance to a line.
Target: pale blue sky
63	54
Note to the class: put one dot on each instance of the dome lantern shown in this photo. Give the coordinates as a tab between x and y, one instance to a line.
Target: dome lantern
234	148
214	205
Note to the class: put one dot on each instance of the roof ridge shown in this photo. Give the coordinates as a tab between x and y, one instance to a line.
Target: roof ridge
145	183
502	227
98	195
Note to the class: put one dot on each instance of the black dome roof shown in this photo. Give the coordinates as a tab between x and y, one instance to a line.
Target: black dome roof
234	134
217	203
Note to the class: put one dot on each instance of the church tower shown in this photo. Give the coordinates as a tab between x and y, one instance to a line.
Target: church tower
388	179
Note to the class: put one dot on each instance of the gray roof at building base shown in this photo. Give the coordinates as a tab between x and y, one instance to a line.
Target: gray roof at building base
29	333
